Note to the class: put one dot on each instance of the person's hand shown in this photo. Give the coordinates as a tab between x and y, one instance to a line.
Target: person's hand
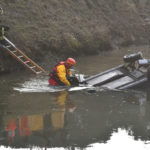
69	84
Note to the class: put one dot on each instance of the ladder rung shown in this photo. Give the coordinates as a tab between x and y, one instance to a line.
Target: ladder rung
26	61
32	67
38	72
20	56
8	46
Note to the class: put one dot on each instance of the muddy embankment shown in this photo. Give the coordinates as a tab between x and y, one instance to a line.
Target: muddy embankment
49	30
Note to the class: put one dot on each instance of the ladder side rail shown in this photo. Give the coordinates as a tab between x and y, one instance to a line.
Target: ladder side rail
31	61
10	52
10	42
26	57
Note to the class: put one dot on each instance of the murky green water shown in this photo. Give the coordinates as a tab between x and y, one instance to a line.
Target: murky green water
45	118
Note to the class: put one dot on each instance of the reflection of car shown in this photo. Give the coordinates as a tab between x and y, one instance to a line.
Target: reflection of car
133	73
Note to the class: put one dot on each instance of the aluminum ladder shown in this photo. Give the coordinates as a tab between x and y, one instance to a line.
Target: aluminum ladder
21	57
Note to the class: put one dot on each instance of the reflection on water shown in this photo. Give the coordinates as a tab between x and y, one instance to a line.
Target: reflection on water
119	139
21	128
73	120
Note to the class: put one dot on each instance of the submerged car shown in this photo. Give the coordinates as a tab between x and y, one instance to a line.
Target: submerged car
135	72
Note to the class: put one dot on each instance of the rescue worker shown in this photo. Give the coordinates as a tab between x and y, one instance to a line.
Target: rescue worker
61	73
2	30
1	10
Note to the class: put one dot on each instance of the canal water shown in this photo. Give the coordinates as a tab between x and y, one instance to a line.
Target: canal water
35	116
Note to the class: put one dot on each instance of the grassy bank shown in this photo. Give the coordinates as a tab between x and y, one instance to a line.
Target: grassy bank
47	30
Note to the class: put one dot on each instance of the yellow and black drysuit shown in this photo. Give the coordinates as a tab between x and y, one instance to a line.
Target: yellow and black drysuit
59	75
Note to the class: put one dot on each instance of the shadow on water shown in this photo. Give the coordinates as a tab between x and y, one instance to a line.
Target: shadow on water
72	119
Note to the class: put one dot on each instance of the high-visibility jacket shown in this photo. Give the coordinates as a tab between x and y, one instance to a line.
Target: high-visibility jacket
2	33
3	29
59	75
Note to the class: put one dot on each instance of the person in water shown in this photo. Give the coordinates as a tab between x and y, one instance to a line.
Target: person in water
3	30
61	73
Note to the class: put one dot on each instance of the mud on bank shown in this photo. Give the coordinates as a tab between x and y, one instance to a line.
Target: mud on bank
53	29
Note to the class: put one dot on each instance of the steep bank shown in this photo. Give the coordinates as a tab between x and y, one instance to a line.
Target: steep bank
51	29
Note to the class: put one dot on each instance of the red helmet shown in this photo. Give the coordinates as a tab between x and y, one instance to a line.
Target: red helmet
71	61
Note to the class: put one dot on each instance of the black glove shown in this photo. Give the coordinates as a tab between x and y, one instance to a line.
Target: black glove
73	81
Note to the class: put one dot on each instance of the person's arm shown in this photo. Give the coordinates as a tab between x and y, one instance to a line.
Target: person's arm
69	72
62	75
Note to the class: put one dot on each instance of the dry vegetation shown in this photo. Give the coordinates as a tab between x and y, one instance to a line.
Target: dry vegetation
46	29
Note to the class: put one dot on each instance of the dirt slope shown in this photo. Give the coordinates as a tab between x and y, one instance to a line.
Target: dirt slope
47	30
